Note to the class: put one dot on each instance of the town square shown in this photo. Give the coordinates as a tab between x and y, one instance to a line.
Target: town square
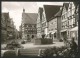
39	29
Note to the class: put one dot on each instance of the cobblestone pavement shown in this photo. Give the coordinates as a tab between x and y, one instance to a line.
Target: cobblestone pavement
31	45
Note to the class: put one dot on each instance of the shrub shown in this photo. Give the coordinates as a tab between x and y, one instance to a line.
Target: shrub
59	51
23	42
9	47
9	54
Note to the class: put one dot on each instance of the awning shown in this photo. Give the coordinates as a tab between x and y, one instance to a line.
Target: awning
74	29
63	30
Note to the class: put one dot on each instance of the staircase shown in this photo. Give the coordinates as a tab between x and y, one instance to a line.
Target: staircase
28	52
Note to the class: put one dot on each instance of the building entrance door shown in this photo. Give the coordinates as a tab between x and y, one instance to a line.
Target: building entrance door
64	35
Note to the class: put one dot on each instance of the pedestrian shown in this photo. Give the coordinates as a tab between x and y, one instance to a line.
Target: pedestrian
73	47
65	41
50	35
32	36
43	36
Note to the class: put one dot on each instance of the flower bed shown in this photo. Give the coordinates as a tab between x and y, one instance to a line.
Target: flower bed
59	52
9	54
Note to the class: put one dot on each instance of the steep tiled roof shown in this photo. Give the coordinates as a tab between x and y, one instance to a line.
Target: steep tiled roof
66	5
58	13
76	3
50	11
29	18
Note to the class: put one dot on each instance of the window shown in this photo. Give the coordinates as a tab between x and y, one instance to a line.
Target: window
65	23
63	17
24	25
70	26
62	26
44	24
77	9
73	10
73	20
34	26
29	25
70	17
43	17
66	15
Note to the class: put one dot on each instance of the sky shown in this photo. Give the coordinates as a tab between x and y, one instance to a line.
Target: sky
15	9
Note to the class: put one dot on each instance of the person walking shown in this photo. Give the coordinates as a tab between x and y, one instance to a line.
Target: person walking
50	35
73	46
43	36
65	41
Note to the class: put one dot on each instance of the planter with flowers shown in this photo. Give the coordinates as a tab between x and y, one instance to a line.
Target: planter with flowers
58	52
